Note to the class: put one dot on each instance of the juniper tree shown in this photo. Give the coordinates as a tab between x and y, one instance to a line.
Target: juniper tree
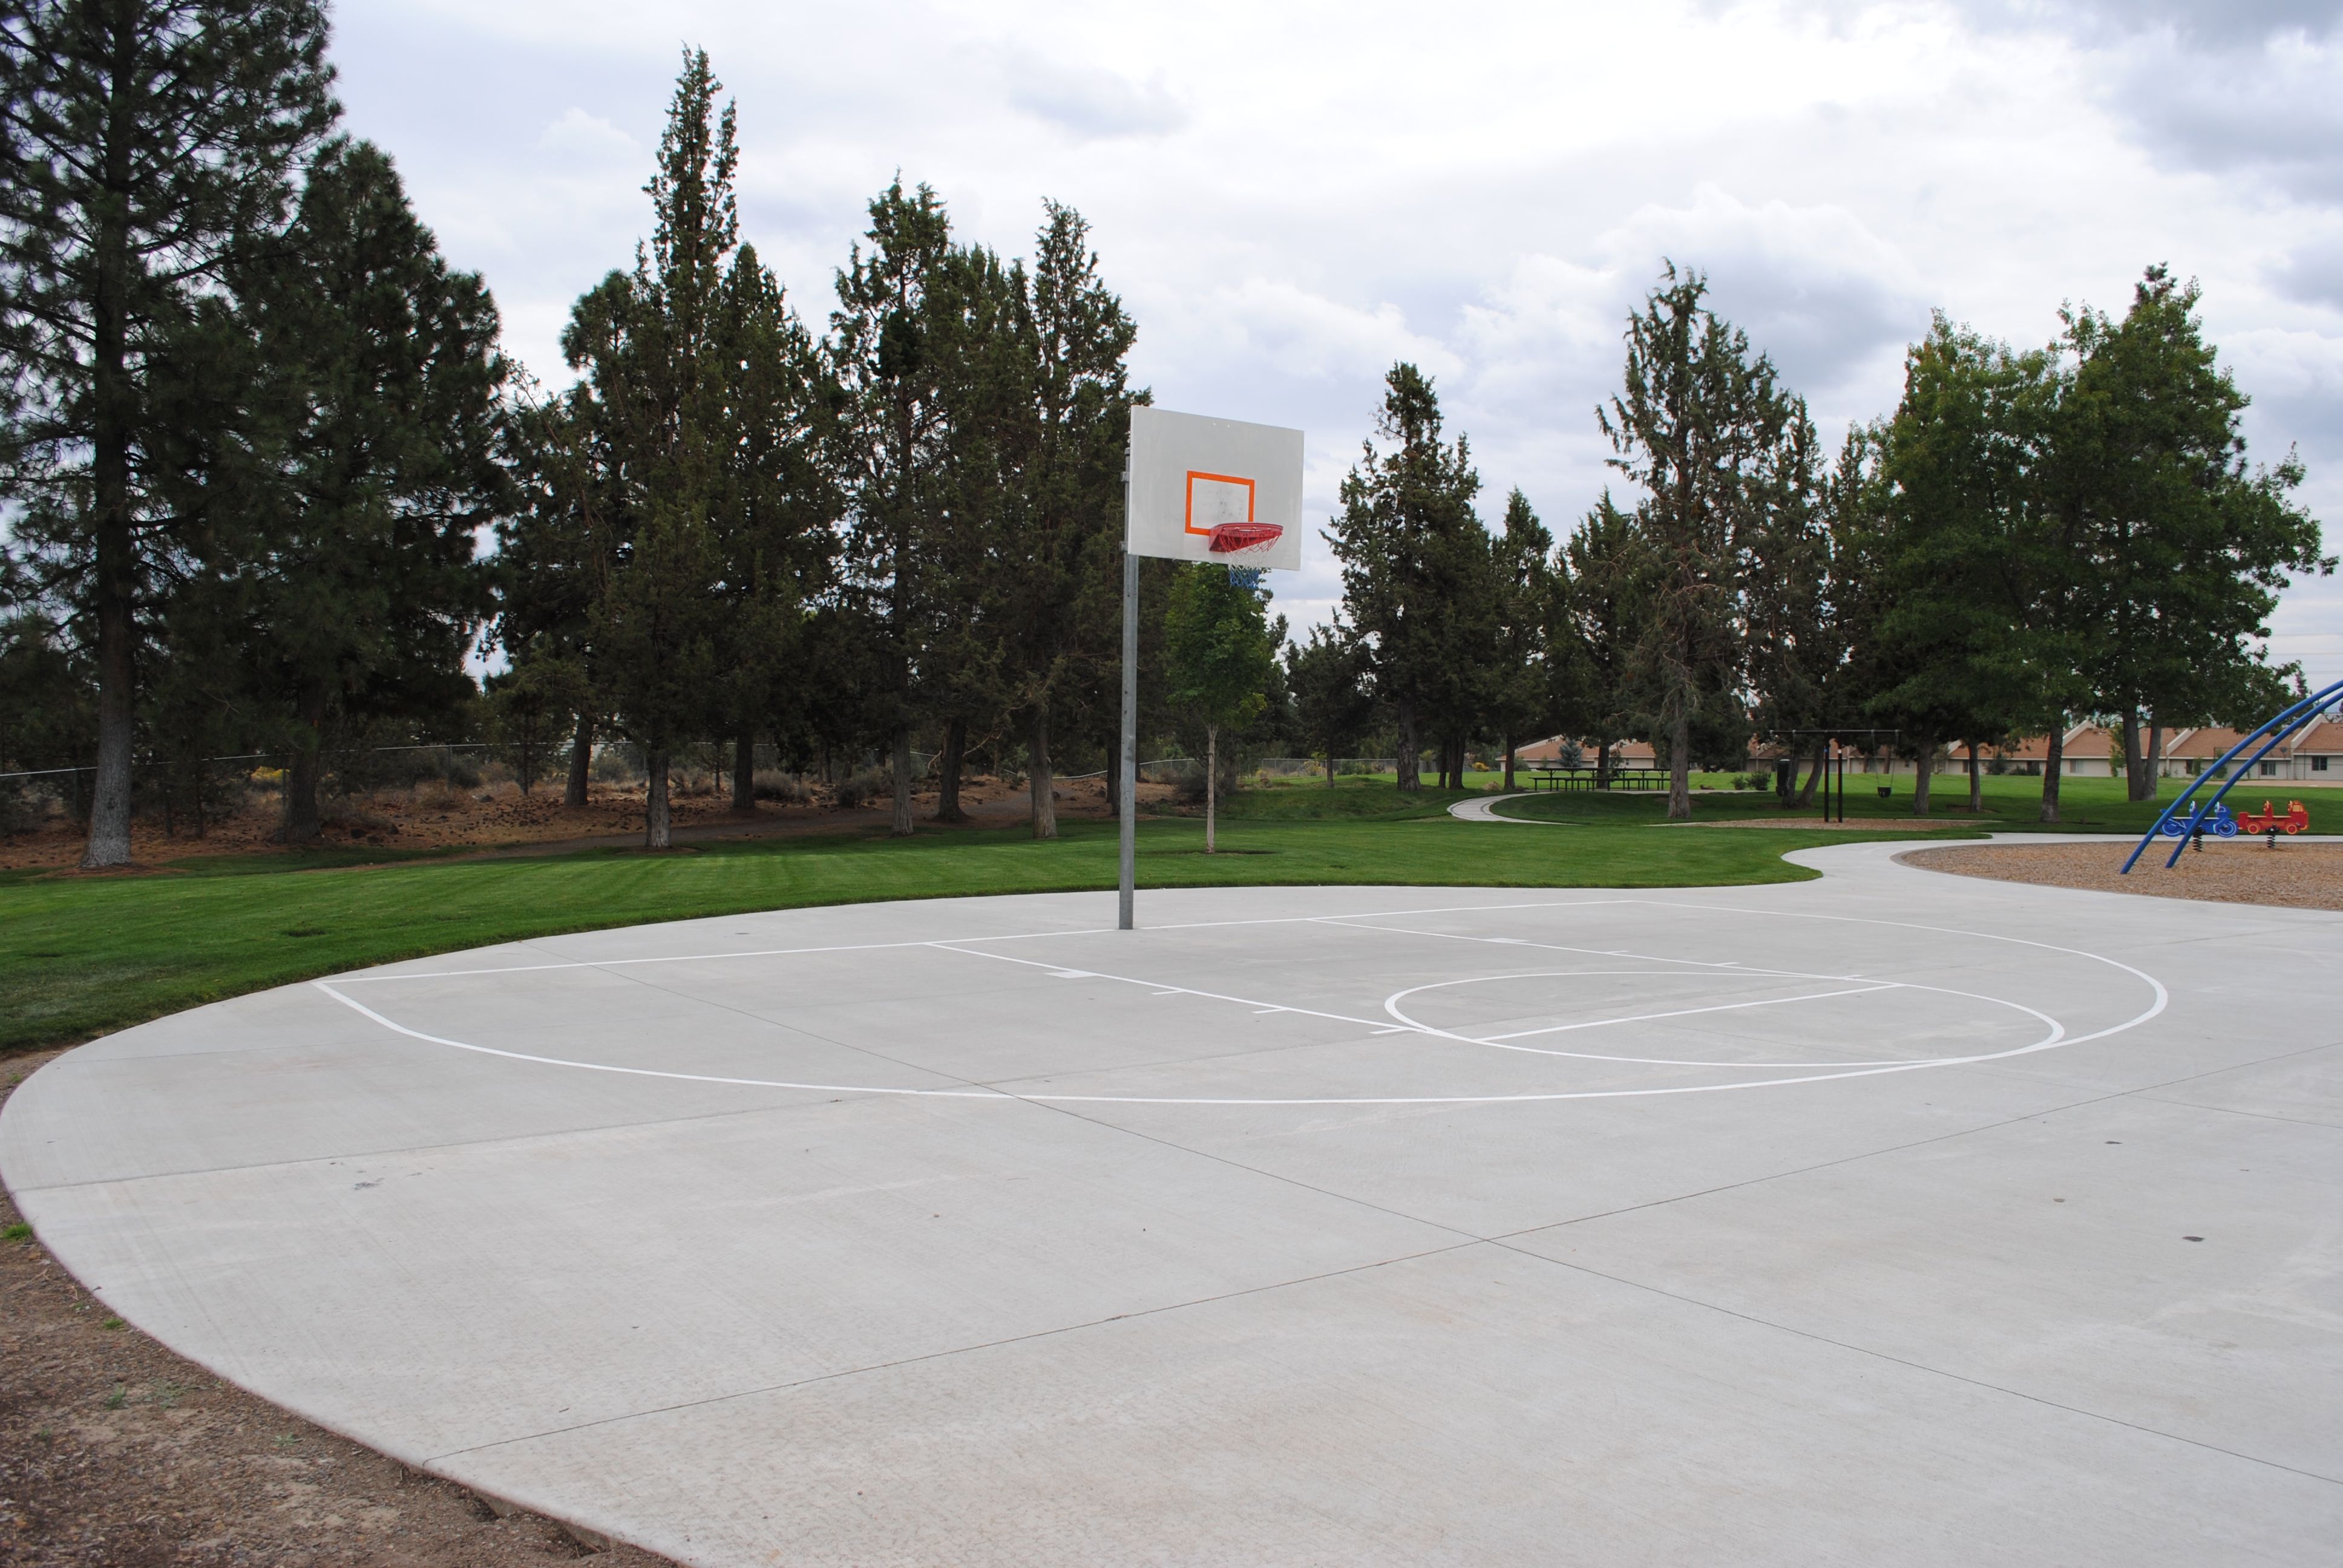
142	143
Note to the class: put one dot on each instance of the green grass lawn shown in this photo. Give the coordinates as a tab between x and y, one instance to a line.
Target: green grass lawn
82	955
2012	804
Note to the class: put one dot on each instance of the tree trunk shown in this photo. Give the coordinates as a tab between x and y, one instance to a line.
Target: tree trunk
947	771
1329	770
301	773
2155	759
900	824
656	834
1815	774
1509	764
1924	774
1976	778
1602	765
1040	784
2050	769
744	772
2138	784
1411	779
1211	780
1680	766
581	763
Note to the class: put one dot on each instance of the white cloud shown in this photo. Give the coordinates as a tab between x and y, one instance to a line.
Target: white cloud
1291	196
587	138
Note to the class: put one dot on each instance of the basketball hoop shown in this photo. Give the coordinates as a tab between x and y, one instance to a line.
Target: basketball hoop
1243	539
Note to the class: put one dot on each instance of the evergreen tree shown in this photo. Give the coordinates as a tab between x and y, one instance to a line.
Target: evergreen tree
1695	427
891	448
1333	707
2189	547
774	507
1061	607
1416	576
1221	658
146	140
1519	696
652	345
1605	601
384	380
1959	468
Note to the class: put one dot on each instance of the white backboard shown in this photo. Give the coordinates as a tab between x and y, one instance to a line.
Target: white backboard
1204	489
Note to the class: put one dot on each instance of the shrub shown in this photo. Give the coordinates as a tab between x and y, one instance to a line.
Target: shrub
861	787
772	784
1754	780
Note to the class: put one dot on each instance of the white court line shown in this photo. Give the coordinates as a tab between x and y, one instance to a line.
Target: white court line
2162	1000
2058	1032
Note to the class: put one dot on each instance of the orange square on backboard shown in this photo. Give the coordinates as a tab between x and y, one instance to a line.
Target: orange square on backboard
1221	496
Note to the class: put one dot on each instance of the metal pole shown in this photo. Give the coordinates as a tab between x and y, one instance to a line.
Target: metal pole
1130	760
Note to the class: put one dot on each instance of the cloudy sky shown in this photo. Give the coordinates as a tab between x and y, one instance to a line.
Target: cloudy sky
1289	197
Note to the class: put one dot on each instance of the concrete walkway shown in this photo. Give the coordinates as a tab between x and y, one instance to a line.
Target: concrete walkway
1890	1217
1484	810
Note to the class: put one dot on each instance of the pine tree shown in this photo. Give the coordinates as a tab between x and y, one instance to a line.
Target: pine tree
145	141
1415	569
774	507
1519	688
890	447
652	344
1958	470
385	383
1694	427
2189	547
1606	605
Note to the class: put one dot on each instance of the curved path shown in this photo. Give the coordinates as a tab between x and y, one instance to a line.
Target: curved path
1890	1215
1484	810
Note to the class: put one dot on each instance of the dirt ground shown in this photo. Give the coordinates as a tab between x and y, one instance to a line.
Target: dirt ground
115	1451
2234	871
498	817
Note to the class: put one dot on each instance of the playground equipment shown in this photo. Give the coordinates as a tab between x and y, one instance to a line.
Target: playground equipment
2264	740
2221	825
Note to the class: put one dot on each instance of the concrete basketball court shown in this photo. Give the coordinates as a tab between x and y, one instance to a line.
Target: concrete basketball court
1889	1218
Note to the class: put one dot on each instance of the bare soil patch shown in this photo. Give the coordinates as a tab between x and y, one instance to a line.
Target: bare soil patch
2295	875
115	1451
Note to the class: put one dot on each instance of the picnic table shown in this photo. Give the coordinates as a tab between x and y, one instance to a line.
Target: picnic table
1562	776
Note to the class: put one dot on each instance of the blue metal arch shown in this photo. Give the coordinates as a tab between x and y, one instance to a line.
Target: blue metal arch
2275	730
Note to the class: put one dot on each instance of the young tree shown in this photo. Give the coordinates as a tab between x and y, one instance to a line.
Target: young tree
892	444
1219	661
2189	547
383	384
146	140
1694	427
1416	577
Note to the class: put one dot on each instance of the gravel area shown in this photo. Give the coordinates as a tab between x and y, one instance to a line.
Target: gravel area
2302	876
114	1451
